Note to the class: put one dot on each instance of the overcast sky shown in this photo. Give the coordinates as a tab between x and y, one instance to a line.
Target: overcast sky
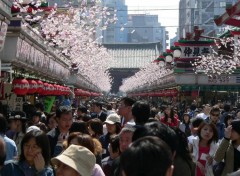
167	11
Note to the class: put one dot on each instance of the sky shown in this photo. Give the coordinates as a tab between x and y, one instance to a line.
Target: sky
167	11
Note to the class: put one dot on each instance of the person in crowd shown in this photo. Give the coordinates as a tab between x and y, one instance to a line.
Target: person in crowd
51	121
140	112
95	128
36	121
74	161
161	111
125	139
10	144
204	147
215	119
17	121
61	132
169	119
125	110
114	152
228	120
2	153
238	114
225	112
82	114
193	108
40	107
183	163
147	156
79	127
181	155
205	114
98	109
229	149
194	124
113	124
153	113
86	140
34	158
110	109
185	125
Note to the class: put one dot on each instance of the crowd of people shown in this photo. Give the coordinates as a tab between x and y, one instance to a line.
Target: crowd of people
121	137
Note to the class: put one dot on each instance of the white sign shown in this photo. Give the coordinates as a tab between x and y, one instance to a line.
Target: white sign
194	51
18	104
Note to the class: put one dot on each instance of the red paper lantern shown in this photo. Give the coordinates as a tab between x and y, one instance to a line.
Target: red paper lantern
20	86
39	86
45	89
50	89
33	86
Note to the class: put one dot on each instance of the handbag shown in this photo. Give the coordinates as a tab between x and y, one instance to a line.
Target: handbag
218	168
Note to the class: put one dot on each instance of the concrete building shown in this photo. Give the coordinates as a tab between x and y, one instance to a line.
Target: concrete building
146	29
186	16
114	32
201	13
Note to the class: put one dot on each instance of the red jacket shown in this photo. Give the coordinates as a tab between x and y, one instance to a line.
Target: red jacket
173	123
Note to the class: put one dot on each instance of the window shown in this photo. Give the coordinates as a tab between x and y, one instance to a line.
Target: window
222	4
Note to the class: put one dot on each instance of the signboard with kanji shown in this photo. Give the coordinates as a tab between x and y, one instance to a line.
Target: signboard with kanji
194	51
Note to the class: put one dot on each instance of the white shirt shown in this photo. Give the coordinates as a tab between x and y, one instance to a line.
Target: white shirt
202	115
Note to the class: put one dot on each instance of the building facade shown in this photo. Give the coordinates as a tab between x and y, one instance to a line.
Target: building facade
144	28
201	13
115	33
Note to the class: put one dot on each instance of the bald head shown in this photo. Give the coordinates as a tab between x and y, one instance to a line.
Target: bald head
2	152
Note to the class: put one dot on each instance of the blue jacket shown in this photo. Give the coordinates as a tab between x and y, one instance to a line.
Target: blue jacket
19	169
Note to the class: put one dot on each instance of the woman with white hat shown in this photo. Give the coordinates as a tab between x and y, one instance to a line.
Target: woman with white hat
74	161
113	124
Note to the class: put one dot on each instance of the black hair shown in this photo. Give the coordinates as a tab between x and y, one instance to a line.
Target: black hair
97	126
236	125
82	109
171	114
98	104
79	127
182	149
229	116
114	141
3	124
109	107
227	107
195	122
128	101
63	110
141	112
159	130
41	141
39	106
148	156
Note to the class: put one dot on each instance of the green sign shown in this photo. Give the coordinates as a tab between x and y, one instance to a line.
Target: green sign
48	103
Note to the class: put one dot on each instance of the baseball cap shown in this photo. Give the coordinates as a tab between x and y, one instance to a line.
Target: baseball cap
112	119
77	157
